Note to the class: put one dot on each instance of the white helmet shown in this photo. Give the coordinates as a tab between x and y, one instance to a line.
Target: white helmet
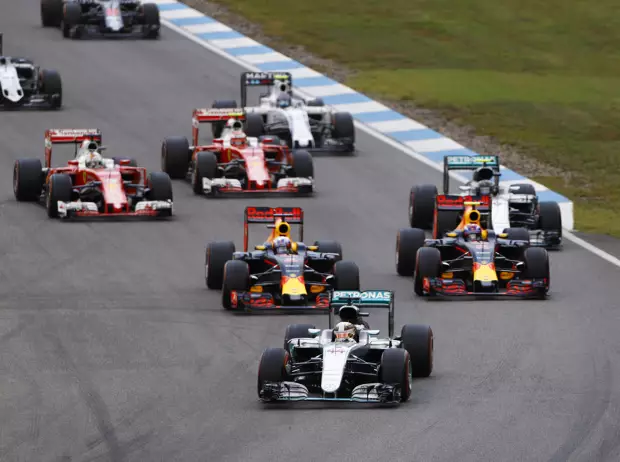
344	332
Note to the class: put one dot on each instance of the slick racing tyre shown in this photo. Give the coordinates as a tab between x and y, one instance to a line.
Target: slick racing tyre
71	20
395	370
329	247
236	277
428	265
418	341
27	179
296	331
303	166
217	127
204	167
518	234
344	129
346	276
175	157
408	241
51	13
51	87
523	188
422	206
254	125
151	24
60	189
536	261
160	189
216	256
445	221
550	217
272	367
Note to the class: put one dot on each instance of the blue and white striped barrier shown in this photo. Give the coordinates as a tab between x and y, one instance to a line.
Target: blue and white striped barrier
415	138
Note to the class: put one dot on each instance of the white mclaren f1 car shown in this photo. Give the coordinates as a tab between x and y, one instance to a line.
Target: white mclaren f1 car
22	84
348	361
300	124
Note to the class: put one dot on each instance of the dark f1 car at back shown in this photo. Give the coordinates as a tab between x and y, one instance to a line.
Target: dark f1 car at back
24	85
78	17
263	280
507	206
319	365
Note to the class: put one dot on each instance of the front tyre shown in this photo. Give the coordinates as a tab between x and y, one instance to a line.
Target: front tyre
395	370
59	190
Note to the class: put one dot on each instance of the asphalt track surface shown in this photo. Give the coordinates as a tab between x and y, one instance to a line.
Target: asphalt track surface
112	348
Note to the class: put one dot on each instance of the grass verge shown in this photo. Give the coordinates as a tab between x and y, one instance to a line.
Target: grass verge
540	76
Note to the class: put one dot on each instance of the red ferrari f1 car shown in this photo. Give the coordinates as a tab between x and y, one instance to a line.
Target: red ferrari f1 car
234	162
91	185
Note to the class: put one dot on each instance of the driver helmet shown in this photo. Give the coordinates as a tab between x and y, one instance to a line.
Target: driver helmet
344	332
472	232
485	187
282	245
284	100
239	140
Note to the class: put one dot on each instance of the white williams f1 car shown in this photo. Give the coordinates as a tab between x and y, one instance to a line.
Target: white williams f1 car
22	84
348	361
300	124
513	209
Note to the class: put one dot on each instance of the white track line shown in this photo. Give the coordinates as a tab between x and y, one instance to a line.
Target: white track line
371	131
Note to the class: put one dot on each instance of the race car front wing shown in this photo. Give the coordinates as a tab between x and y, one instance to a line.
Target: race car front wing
527	288
215	186
251	302
90	209
365	393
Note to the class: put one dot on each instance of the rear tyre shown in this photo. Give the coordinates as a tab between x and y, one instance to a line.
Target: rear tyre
518	234
236	277
216	256
27	179
175	157
418	341
296	331
445	221
408	241
51	13
396	370
303	166
59	190
151	26
217	127
523	188
51	87
254	125
346	276
428	265
329	247
272	367
422	206
205	167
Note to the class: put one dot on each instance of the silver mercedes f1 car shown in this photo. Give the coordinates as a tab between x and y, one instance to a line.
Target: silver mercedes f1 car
348	361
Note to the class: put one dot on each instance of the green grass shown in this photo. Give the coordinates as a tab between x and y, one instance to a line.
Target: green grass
543	76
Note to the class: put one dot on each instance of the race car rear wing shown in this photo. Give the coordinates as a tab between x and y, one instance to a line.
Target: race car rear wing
364	299
270	215
68	136
455	202
451	163
284	80
216	115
